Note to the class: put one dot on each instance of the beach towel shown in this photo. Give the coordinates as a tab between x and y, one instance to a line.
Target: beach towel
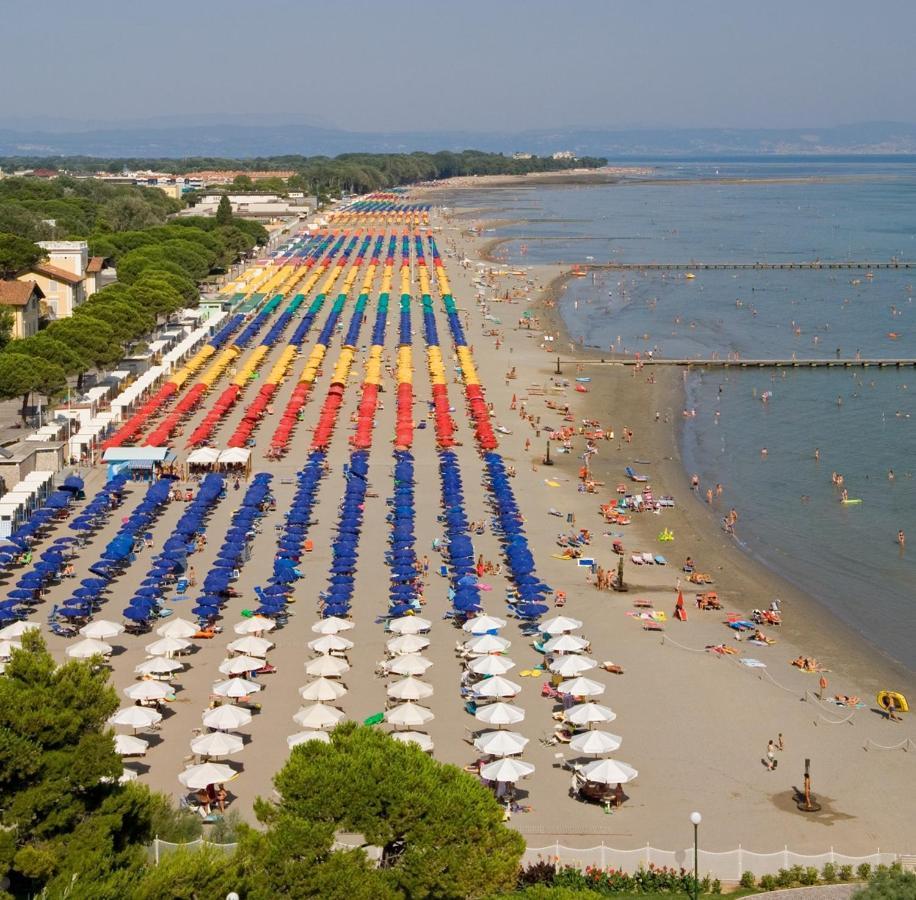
550	483
752	663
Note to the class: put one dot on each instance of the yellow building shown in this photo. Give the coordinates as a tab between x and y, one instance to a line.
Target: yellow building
23	299
63	291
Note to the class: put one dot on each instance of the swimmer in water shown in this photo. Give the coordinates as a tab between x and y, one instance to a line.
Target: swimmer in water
890	475
901	538
817	455
844	496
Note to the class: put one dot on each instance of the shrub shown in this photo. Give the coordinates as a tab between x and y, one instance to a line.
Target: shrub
828	873
716	886
889	884
540	872
768	883
748	880
786	878
809	876
864	871
845	873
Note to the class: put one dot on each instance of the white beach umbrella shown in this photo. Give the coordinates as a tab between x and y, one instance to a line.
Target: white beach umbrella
168	645
497	686
332	625
581	687
226	718
608	771
483	624
491	665
501	743
128	745
254	625
560	625
158	665
88	647
410	715
7	646
330	643
423	741
236	687
407	643
410	688
322	689
510	770
251	645
239	665
487	643
411	664
566	643
178	628
101	629
303	737
500	714
571	664
318	715
18	629
587	713
149	690
136	717
197	777
409	625
595	743
327	666
128	775
217	743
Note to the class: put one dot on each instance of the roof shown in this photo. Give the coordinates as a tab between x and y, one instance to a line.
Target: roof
18	293
137	454
95	265
56	274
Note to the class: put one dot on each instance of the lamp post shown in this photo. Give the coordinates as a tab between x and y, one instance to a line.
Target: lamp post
696	818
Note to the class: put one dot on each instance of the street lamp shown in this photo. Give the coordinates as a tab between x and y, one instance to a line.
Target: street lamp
696	818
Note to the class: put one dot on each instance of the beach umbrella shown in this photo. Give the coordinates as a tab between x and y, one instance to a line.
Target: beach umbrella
608	771
167	645
127	745
487	643
7	647
332	625
217	743
196	778
226	718
510	770
239	665
236	687
251	645
501	743
565	643
158	665
491	665
148	690
483	624
409	715
571	665
330	642
500	714
322	689
409	625
327	666
88	647
303	737
101	629
177	628
560	625
136	717
407	643
595	743
588	713
410	688
581	687
18	629
318	715
497	686
423	741
254	625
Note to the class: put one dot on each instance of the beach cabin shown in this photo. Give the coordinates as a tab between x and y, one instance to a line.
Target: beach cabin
141	463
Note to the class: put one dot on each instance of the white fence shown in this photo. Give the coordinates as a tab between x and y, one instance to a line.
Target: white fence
728	865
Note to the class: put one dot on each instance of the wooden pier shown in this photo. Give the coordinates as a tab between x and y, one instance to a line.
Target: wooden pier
825	363
762	266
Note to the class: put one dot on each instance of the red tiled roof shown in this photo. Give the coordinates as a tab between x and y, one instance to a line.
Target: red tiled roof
55	273
18	293
95	265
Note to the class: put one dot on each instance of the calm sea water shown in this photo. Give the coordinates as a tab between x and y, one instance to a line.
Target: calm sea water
863	422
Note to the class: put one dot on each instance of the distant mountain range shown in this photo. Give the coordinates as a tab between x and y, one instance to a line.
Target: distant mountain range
266	136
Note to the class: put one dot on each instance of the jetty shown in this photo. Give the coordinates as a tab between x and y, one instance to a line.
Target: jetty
823	363
763	266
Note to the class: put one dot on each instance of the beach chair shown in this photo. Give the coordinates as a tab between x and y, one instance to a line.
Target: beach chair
181	585
649	625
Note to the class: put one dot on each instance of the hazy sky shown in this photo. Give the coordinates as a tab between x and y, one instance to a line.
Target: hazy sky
464	64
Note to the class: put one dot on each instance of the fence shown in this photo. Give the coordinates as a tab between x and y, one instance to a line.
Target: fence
728	865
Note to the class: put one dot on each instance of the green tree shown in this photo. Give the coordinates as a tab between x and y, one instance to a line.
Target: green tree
45	346
6	326
21	375
893	884
224	211
17	254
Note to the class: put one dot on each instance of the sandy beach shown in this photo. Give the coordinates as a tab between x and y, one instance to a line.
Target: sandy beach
694	723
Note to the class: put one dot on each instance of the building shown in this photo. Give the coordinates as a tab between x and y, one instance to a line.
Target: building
23	299
253	205
563	154
93	278
62	278
520	155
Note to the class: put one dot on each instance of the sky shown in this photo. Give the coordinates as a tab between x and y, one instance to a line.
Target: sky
486	65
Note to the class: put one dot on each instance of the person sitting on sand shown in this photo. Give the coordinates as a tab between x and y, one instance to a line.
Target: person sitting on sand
845	700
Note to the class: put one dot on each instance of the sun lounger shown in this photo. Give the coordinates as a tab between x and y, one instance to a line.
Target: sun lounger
649	625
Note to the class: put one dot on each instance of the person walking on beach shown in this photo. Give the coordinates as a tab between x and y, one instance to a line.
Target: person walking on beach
695	482
822	687
771	762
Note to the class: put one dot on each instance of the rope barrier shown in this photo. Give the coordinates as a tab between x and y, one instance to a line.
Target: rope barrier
669	640
904	745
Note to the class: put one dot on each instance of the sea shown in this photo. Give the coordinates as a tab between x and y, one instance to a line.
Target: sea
773	438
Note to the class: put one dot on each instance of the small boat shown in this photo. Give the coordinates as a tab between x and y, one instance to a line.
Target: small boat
581	388
900	704
851	501
690	276
660	560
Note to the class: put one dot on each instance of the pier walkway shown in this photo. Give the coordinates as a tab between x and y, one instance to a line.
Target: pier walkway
825	363
702	266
